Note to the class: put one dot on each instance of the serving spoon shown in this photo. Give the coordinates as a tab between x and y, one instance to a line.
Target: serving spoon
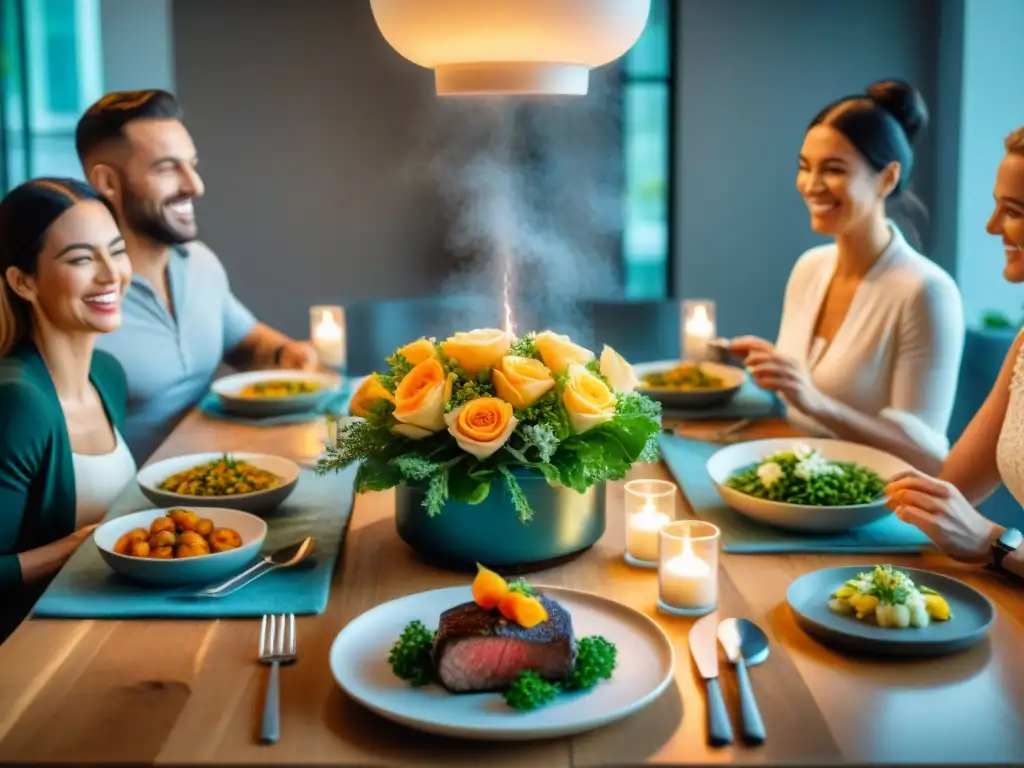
285	557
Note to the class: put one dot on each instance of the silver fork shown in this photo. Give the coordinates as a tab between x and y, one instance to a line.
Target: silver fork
277	647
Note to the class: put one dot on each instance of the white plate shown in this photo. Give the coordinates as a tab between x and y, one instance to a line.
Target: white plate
733	378
359	662
151	476
228	389
802	517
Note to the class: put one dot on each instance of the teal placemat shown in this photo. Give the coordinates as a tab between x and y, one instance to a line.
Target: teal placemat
686	460
751	402
86	587
211	406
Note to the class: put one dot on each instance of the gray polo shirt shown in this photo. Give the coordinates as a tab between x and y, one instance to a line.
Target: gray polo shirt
170	360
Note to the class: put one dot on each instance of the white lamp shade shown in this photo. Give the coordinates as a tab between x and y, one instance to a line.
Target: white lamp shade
511	46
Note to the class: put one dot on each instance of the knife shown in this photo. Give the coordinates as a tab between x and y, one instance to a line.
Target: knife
704	650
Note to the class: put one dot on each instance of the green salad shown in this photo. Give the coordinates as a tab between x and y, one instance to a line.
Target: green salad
804	476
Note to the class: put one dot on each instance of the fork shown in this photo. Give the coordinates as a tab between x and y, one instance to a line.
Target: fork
277	647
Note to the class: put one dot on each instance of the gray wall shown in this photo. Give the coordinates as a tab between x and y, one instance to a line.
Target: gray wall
751	75
136	44
307	124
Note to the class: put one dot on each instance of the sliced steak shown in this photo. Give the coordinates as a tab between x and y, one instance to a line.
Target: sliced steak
480	650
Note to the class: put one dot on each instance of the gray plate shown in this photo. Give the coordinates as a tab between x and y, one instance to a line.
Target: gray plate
972	614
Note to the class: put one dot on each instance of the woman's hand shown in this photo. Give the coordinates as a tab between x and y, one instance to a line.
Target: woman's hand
742	346
45	560
788	377
943	514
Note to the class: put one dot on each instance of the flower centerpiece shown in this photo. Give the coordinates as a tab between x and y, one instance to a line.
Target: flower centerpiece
484	416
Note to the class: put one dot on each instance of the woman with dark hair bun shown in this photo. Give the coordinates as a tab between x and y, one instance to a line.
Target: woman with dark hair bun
872	332
62	457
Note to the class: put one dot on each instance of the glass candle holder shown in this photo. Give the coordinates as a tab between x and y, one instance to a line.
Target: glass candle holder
327	334
688	568
698	329
650	505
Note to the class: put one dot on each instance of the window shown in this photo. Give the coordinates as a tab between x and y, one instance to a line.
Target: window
50	71
647	125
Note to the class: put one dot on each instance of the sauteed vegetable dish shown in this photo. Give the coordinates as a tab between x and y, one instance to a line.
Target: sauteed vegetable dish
684	376
179	533
279	388
223	477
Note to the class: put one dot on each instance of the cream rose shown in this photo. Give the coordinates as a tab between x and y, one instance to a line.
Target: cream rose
420	399
368	393
418	351
481	426
619	373
521	381
477	350
587	399
558	351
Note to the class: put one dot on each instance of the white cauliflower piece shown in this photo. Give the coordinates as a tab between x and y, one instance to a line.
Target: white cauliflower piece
768	473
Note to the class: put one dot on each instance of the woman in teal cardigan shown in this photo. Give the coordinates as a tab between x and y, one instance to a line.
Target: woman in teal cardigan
62	458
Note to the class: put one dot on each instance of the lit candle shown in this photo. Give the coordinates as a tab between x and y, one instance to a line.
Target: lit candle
328	335
698	329
642	533
686	581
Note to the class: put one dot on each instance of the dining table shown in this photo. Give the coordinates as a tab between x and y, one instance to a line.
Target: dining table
186	691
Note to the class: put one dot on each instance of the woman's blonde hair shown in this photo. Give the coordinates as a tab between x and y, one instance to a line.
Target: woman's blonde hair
1015	142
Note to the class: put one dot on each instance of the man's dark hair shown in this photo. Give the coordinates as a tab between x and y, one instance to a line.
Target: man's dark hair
106	119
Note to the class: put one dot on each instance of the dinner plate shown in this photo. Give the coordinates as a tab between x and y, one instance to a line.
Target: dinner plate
359	662
971	615
229	389
692	398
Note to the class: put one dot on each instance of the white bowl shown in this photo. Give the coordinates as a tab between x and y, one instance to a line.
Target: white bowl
732	379
151	476
802	517
187	570
229	388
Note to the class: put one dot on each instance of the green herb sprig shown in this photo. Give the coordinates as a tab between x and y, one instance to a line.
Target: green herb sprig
596	658
410	656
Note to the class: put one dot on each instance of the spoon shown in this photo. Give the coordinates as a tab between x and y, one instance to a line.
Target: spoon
745	644
285	557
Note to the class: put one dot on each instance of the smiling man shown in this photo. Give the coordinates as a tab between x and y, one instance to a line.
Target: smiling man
181	320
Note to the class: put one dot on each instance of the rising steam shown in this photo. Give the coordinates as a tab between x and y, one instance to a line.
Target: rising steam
534	190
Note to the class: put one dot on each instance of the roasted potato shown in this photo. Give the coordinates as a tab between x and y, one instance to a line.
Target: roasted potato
223	539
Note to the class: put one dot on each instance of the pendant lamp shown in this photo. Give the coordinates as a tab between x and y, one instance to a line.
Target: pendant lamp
503	47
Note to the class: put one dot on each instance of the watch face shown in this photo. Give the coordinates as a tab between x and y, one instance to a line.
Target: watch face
1011	538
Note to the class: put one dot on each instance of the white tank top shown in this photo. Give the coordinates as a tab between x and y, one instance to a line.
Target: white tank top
99	480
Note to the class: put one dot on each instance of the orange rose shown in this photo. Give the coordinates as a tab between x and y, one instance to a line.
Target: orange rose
420	399
587	399
418	351
477	350
368	393
481	426
521	381
558	351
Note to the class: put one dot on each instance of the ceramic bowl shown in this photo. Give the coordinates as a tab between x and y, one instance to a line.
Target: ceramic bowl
801	517
257	502
216	566
229	389
732	376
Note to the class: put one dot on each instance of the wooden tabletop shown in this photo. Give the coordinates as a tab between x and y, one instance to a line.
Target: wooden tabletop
190	691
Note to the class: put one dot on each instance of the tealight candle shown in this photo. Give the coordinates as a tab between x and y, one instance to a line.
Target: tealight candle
327	332
649	507
698	329
688	568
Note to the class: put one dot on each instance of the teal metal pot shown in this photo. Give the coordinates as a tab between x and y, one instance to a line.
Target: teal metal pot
565	523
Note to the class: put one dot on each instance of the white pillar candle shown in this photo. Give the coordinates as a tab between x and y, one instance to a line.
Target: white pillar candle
642	533
698	329
687	582
328	335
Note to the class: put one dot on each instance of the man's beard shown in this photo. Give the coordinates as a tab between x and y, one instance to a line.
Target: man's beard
142	218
